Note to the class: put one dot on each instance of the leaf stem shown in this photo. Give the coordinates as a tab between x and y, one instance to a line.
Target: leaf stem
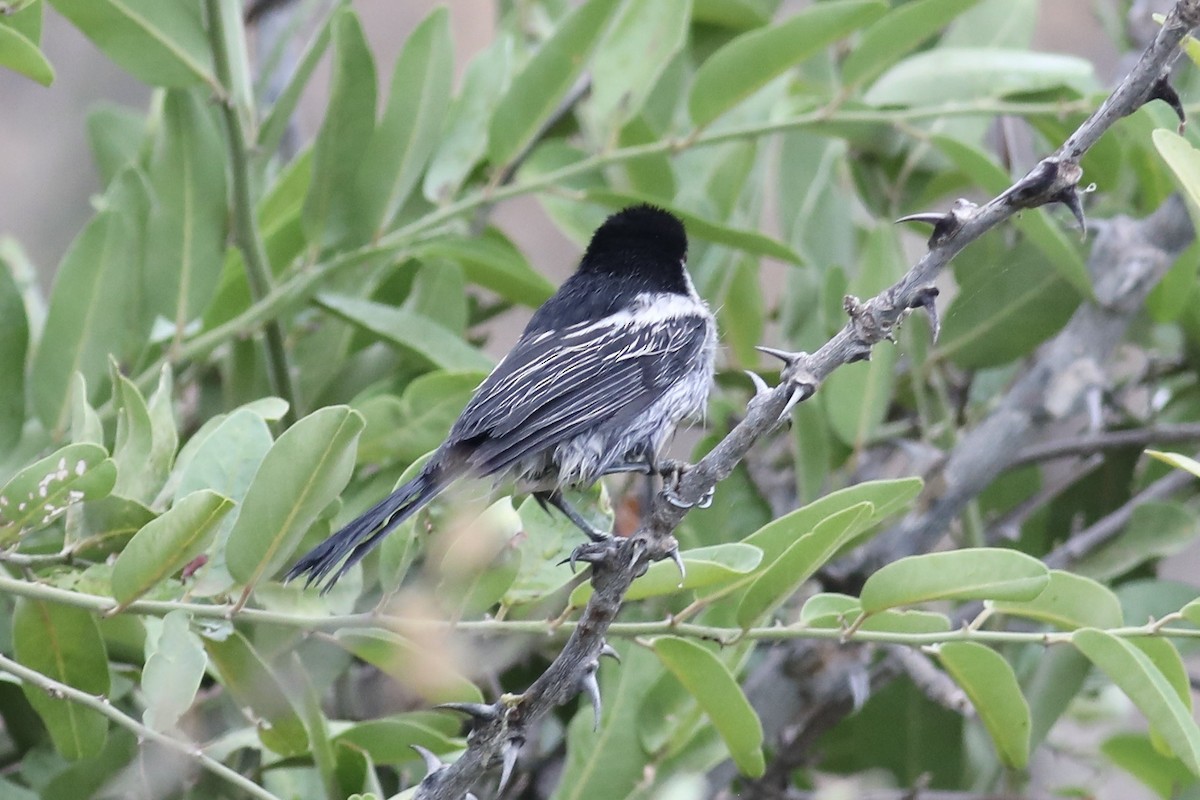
246	234
561	629
102	705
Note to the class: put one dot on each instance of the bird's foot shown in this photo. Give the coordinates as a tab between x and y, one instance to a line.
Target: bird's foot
592	552
672	473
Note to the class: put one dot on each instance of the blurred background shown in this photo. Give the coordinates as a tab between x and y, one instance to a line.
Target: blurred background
47	176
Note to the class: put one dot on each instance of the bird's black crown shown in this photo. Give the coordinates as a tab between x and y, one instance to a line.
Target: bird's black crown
640	242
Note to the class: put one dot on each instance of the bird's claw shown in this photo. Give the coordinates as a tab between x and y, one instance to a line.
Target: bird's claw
591	552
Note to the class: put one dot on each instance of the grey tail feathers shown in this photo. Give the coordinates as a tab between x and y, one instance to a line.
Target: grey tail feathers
358	538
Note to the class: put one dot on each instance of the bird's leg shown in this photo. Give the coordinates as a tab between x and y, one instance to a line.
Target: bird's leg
642	467
556	499
672	473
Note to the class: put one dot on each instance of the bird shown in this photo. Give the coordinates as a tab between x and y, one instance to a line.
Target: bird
597	382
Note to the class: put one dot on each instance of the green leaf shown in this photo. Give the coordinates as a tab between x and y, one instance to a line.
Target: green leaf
1135	753
750	61
465	135
41	492
175	665
992	686
87	315
704	567
425	668
115	136
344	136
477	559
643	39
254	687
187	225
607	764
800	561
390	740
537	91
409	130
303	472
858	397
279	117
947	74
493	262
1051	687
896	33
830	610
23	56
1184	162
979	573
142	461
409	330
887	497
402	429
1155	530
225	461
14	346
1177	460
1002	314
1069	601
162	44
1135	674
167	544
64	644
716	691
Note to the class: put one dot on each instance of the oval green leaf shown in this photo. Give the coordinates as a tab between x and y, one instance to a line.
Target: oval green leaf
716	691
409	330
896	33
23	56
427	671
1069	601
810	552
344	135
992	686
173	672
167	544
493	262
887	497
1135	674
750	61
390	740
537	91
981	573
303	472
14	347
410	128
1177	460
254	686
162	44
63	643
41	492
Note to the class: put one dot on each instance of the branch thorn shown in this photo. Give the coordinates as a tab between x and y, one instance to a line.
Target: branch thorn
478	712
673	554
607	649
1163	90
589	685
511	748
760	386
926	299
432	762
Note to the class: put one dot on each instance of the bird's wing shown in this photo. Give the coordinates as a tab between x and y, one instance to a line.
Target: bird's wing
558	384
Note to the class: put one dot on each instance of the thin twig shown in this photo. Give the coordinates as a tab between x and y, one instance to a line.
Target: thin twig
246	234
102	705
1090	443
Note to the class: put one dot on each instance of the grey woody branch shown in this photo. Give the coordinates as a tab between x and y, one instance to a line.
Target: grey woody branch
499	730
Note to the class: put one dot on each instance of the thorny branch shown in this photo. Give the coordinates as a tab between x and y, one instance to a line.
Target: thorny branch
500	729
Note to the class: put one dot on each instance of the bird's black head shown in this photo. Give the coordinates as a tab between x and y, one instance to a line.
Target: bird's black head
642	244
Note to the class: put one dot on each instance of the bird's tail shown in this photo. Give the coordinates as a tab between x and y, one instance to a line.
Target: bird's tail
358	537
